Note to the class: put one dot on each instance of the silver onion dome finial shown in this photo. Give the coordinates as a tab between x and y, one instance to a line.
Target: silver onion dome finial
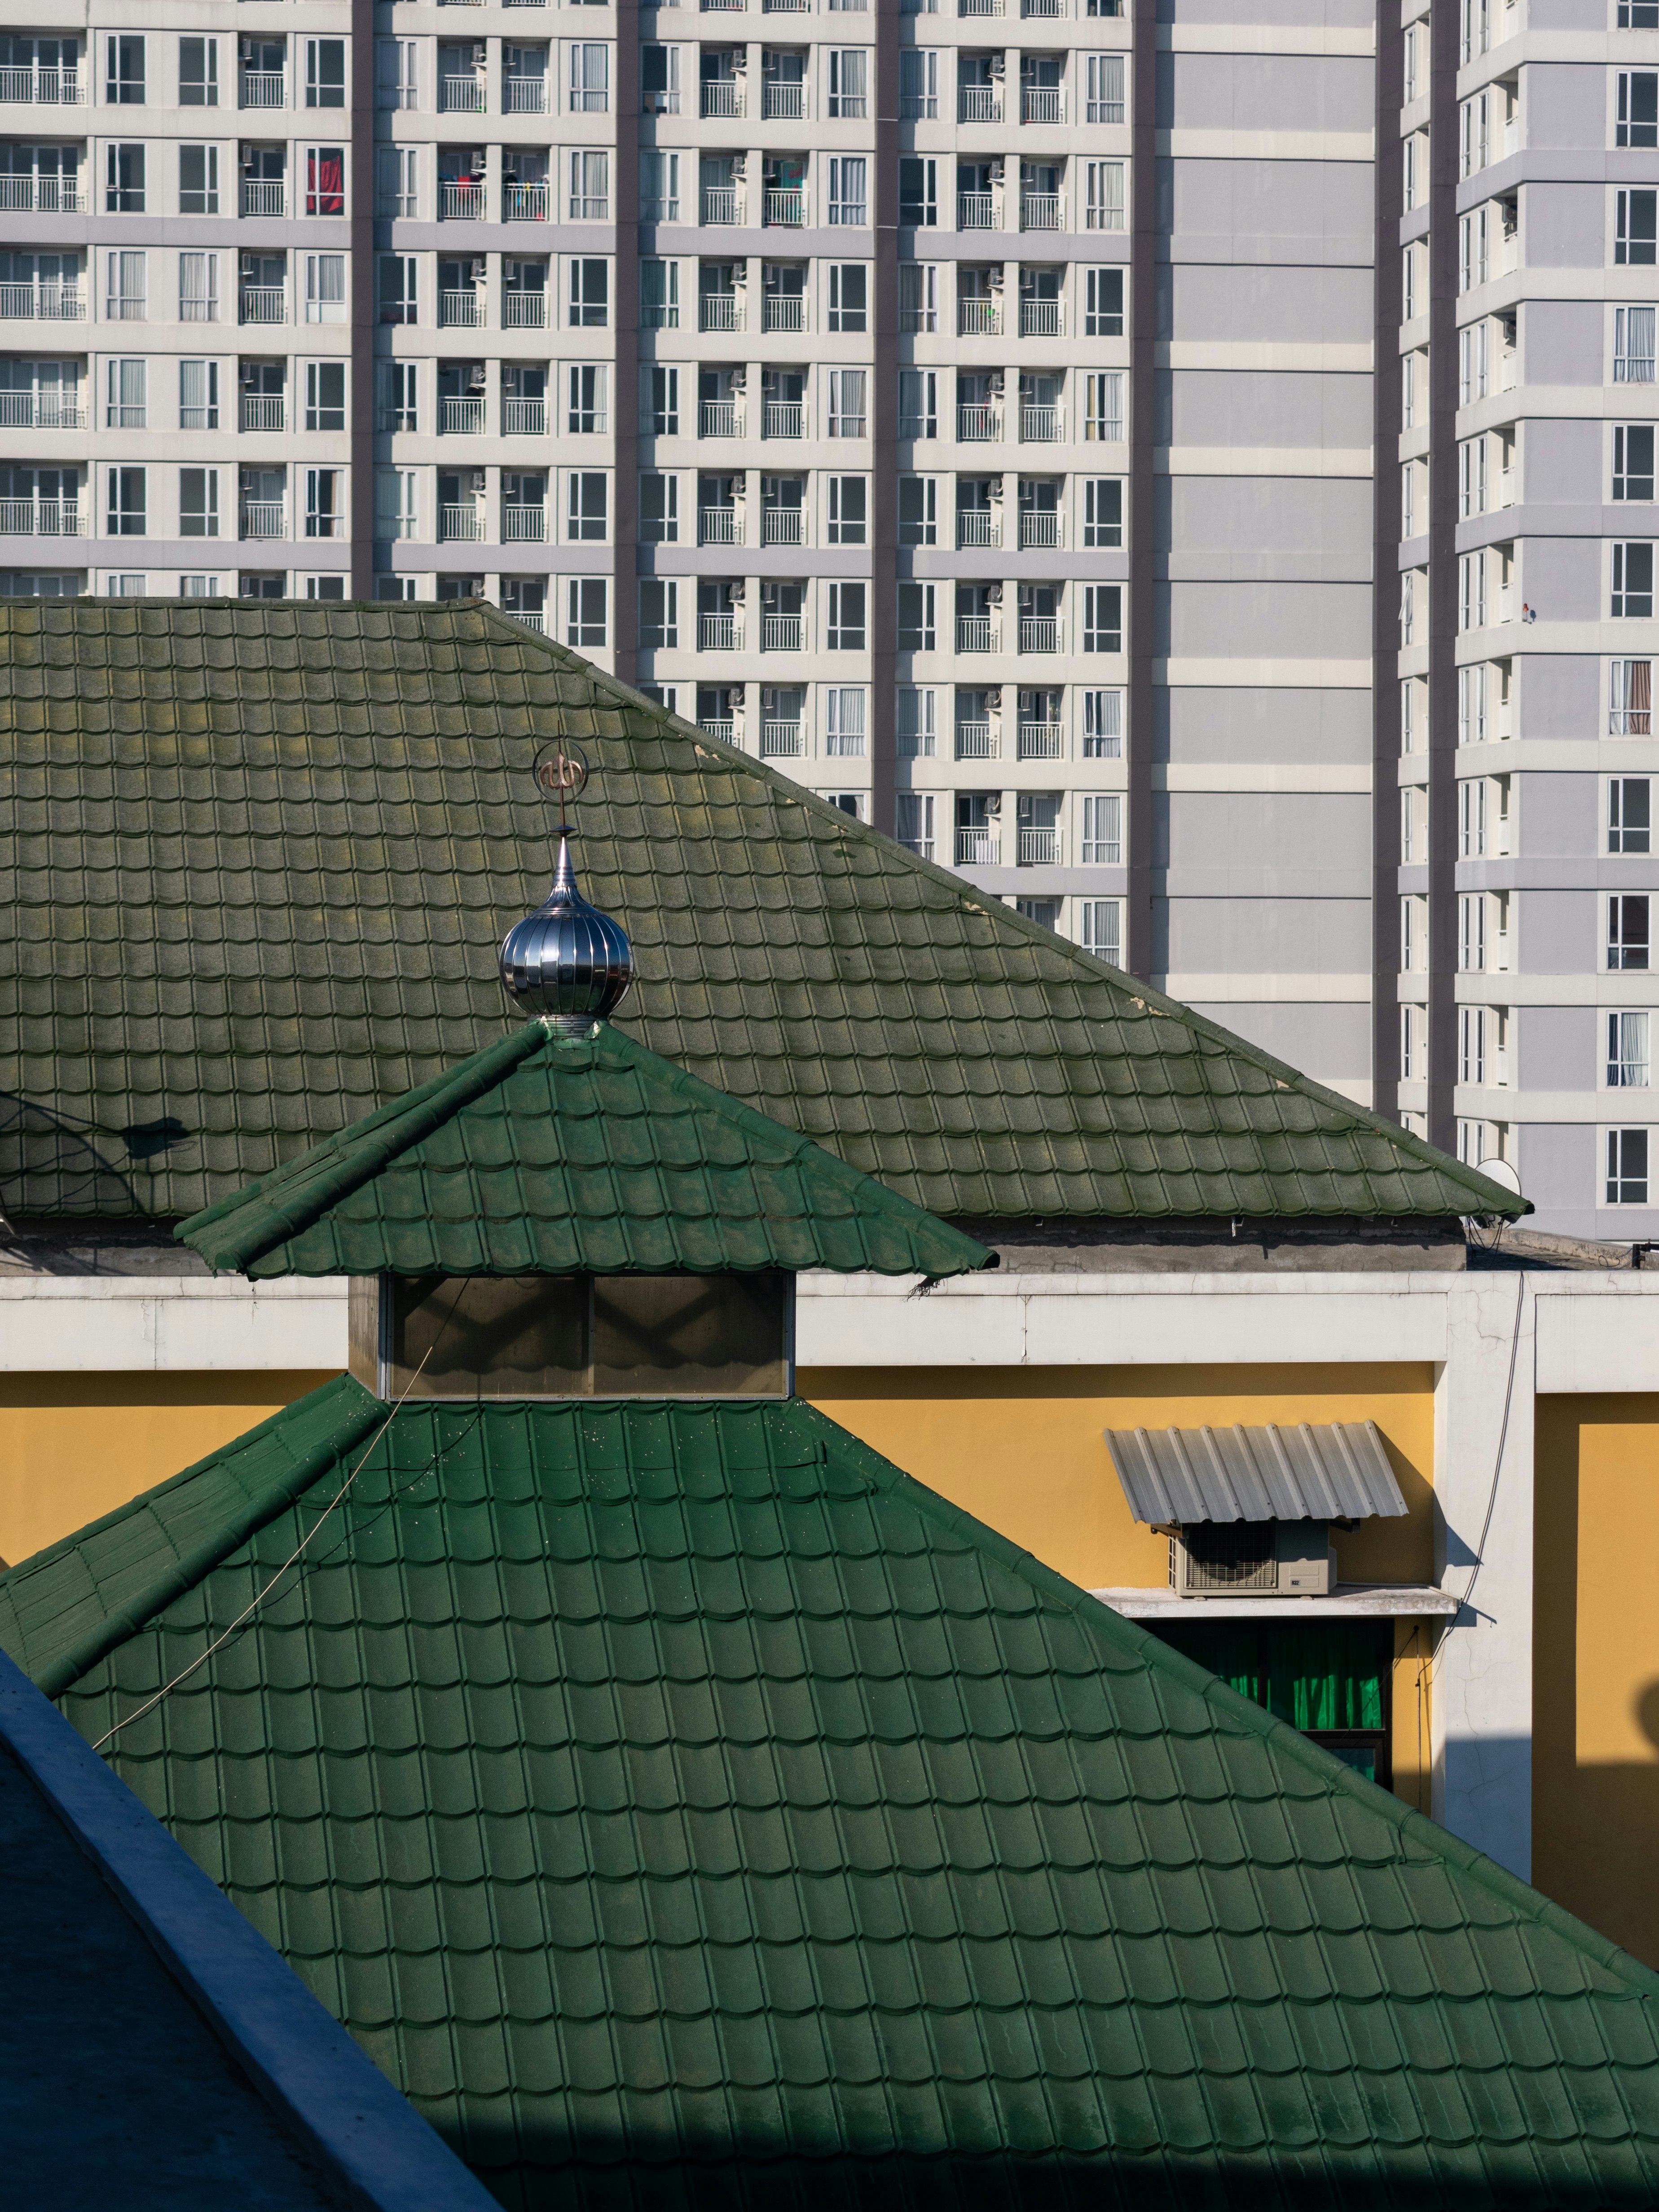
566	964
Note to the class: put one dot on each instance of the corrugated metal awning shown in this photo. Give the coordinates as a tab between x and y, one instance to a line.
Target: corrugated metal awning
1337	1472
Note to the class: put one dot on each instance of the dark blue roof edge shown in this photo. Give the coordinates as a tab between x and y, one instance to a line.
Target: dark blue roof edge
363	2134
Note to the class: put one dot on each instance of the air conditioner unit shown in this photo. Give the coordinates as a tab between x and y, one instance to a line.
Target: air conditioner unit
1252	1558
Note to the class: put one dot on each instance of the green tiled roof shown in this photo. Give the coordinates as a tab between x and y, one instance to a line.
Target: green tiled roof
683	1805
549	1154
256	860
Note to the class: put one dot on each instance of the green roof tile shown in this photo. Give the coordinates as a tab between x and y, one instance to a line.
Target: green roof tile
676	1800
257	861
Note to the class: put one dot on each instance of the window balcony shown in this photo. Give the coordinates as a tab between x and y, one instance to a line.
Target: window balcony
524	418
1039	634
719	525
978	849
978	634
1042	103
978	424
979	103
978	741
460	202
40	410
978	525
40	517
783	313
720	205
460	311
786	210
524	526
42	195
1042	426
459	526
719	418
719	633
263	518
783	418
979	318
42	88
523	311
1041	318
722	97
527	202
43	303
263	412
1041	741
976	211
1038	533
263	197
1041	211
782	525
525	96
262	88
781	741
263	303
720	311
462	95
783	103
460	418
1039	849
783	633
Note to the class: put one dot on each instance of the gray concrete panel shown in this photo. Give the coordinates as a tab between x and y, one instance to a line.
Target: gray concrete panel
1561	341
1262	407
1255	620
1560	460
1267	528
1557	816
1267	211
1566	102
1561	579
1198	723
1330	1043
1202	301
1556	1163
1564	227
1265	92
1560	696
1556	1047
1272	937
1319	14
1556	932
1258	844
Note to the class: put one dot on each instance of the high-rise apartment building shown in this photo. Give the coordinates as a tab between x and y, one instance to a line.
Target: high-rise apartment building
969	409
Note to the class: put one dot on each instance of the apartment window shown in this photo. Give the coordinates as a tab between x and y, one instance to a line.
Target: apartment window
1472	476
846	520
849	88
1102	511
398	287
915	619
1411	86
1102	618
123	72
1633	460
1410	948
1473	250
913	819
659	612
198	72
1407	716
585	608
1472	1044
324	180
846	403
1100	929
843	717
326	288
1629	814
326	73
127	503
124	180
660	296
325	395
659	187
662	401
1471	706
1471	932
1632	345
1627	1166
659	80
1628	1066
917	727
1104	89
1632	581
398	406
1627	930
589	198
325	508
394	503
590	294
1408	500
1636	227
587	506
918	403
1102	407
1407	282
1410	806
1471	592
199	395
1409	185
587	415
1639	108
395	59
918	511
917	194
848	295
1639	16
199	502
1102	725
1408	392
849	190
1629	699
846	627
918	84
1102	828
590	78
198	180
1408	1056
1103	314
198	288
1103	194
659	510
125	406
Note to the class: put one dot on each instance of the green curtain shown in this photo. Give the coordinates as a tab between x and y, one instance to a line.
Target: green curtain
1315	1673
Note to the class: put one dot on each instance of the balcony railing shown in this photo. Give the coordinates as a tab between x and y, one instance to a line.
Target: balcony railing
44	303
524	95
978	634
978	424
720	633
1041	425
462	95
523	525
1041	210
524	418
45	88
1042	103
523	311
978	525
262	88
264	303
1041	318
978	103
1039	849
40	517
781	633
42	195
786	7
1038	530
782	525
783	103
263	518
458	526
1029	8
720	311
537	621
460	310
722	204
263	197
40	410
780	740
527	202
1039	634
783	418
462	417
725	732
263	412
786	208
722	96
978	741
977	848
976	210
719	525
719	418
1041	741
783	313
979	318
460	203
720	7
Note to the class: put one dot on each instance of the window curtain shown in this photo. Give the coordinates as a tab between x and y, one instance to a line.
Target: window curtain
1321	1675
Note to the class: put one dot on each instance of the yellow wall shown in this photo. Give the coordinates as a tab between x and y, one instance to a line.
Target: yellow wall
1021	1448
73	1447
1595	1663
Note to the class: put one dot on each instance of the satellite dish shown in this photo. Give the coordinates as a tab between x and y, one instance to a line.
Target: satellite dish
1501	1173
